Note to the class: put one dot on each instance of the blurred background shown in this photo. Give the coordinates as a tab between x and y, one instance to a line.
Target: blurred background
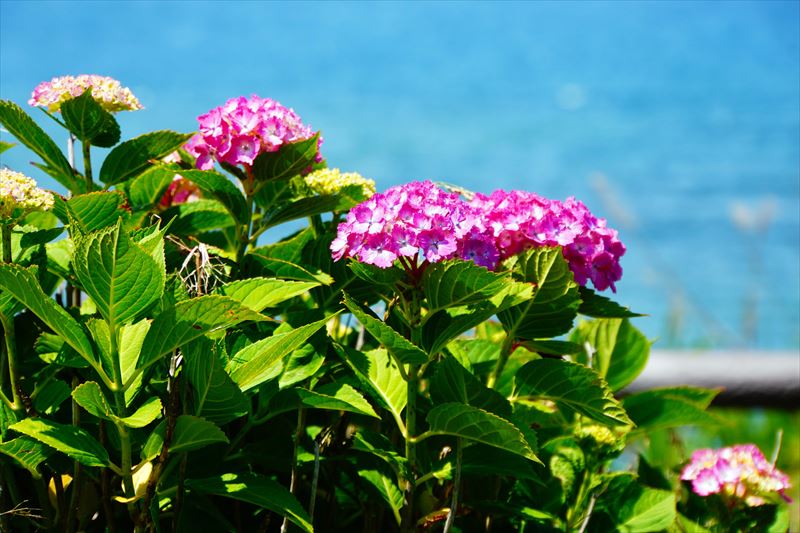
679	122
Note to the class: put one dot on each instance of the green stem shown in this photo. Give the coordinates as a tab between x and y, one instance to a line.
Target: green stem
87	165
6	229
11	354
502	359
451	516
243	231
119	399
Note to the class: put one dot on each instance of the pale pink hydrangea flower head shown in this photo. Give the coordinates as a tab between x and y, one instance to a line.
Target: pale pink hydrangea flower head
740	472
242	128
108	92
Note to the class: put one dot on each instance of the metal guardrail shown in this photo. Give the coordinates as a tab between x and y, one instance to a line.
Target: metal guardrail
748	378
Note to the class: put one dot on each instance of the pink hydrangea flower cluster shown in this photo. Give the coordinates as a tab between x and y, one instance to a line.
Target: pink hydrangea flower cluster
420	220
108	92
241	129
519	220
739	471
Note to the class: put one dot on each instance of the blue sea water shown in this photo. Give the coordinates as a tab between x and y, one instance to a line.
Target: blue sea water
677	121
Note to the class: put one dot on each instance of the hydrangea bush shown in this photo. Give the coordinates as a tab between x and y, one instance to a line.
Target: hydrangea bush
422	358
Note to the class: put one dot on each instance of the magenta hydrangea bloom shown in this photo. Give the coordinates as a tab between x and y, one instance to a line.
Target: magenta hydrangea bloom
741	472
519	220
419	220
241	129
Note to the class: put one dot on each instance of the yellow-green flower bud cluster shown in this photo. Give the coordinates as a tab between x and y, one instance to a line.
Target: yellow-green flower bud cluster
19	194
332	181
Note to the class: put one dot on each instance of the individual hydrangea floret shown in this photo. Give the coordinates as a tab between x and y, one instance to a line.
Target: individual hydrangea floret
108	92
519	220
332	181
19	194
242	128
740	472
420	220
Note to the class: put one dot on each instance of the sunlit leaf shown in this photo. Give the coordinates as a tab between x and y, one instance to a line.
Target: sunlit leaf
73	441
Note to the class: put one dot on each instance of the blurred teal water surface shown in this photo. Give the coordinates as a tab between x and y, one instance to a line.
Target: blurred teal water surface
678	122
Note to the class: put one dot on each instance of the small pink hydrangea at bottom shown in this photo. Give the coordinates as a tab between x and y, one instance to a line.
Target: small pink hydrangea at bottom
740	472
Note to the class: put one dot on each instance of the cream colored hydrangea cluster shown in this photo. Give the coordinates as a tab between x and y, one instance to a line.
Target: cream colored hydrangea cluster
108	92
19	192
332	181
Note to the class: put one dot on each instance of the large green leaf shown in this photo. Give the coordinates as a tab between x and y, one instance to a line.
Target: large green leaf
190	433
258	490
89	396
28	452
262	360
594	305
481	426
302	208
380	376
400	347
290	160
146	189
387	277
332	397
192	218
51	396
554	305
569	385
282	268
96	210
260	293
132	157
217	186
89	122
217	397
381	479
637	509
22	126
22	284
620	351
454	383
670	407
189	320
73	441
456	282
122	278
146	413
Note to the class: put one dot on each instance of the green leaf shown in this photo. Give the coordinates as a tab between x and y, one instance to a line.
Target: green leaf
27	452
89	396
22	126
262	360
569	385
551	347
200	216
35	238
454	383
22	284
260	293
189	320
217	186
443	327
5	146
620	351
146	189
51	396
282	268
258	490
302	208
380	376
670	407
122	279
594	305
554	305
378	445
96	210
190	433
217	397
400	347
290	160
332	397
480	460
387	277
478	425
146	413
382	481
456	282
89	121
637	509
70	440
302	364
132	157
